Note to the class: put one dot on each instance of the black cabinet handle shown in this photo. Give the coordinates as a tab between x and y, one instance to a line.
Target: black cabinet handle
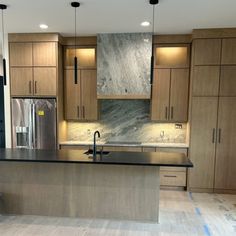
75	70
219	138
4	71
152	65
213	135
170	176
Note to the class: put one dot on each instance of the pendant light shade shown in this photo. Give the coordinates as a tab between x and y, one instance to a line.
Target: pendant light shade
75	5
153	3
3	7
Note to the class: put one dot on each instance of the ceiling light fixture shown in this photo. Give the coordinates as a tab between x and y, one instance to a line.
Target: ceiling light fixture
75	5
43	26
153	3
3	7
145	23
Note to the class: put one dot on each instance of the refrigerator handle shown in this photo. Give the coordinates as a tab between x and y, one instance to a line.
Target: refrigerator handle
30	128
34	126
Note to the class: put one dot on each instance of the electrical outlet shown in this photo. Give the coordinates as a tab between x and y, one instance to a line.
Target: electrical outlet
178	126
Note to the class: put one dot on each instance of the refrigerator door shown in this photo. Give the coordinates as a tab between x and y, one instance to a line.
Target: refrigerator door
44	124
22	130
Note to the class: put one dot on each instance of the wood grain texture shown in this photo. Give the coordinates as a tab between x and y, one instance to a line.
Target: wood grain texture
45	81
207	51
225	153
88	191
72	96
229	51
228	81
34	37
21	81
21	54
80	41
172	39
172	178
44	54
179	92
88	88
206	80
124	97
214	33
202	144
160	95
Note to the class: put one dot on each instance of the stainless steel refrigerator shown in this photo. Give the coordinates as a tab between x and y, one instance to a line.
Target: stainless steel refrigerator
34	123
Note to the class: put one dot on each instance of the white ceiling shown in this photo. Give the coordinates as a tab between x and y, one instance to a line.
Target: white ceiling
110	16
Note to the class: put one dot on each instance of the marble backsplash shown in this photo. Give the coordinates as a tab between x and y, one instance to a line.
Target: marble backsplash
123	63
127	121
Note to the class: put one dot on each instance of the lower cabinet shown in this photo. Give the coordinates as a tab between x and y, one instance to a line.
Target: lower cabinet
173	178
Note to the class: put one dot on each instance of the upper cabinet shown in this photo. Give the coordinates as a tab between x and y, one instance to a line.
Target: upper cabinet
173	56
81	98
170	88
33	68
207	51
21	54
45	54
86	57
170	95
214	67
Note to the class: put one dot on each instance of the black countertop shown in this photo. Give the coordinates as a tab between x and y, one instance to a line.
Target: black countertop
113	158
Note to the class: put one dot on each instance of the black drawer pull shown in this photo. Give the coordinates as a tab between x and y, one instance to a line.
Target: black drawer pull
170	176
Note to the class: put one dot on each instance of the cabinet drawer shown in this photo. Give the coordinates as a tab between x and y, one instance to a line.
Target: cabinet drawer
176	169
122	149
172	178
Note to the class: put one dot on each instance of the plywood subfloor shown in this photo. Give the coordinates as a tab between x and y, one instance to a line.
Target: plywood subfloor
181	213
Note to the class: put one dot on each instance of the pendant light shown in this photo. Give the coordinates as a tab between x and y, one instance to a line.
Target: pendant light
153	3
75	5
3	7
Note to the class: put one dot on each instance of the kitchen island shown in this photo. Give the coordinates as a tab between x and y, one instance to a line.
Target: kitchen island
119	185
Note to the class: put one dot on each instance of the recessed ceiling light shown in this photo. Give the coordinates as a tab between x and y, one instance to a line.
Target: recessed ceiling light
43	26
145	23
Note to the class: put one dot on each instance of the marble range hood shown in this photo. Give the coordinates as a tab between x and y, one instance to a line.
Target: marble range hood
123	65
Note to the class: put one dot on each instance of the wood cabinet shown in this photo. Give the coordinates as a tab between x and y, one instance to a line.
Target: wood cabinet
33	68
170	95
207	51
81	98
228	81
228	51
44	54
226	140
21	54
21	81
45	81
206	80
86	57
202	142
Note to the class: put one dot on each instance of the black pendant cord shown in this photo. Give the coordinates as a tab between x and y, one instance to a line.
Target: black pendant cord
153	3
75	58
75	5
3	7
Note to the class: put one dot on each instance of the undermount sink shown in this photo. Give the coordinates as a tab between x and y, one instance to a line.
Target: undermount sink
90	152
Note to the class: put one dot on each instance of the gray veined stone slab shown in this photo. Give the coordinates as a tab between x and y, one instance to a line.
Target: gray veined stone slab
123	63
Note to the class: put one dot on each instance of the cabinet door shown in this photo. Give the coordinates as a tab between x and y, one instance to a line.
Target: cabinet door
228	81
207	51
44	54
226	146
179	95
89	94
229	51
72	96
45	81
160	95
202	142
206	80
21	81
20	54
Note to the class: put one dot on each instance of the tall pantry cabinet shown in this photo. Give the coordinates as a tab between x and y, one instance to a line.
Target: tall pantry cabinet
213	115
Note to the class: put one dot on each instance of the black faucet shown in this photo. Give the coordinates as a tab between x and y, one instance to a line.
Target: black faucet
94	142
